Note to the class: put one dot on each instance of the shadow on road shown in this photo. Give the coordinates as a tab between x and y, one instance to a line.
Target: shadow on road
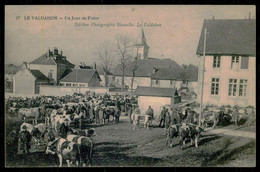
115	154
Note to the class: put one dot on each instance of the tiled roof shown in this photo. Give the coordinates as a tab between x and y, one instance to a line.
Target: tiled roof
191	73
145	67
39	76
168	74
156	91
80	75
45	60
229	37
64	61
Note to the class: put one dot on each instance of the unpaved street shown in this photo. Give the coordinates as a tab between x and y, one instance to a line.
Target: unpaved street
120	145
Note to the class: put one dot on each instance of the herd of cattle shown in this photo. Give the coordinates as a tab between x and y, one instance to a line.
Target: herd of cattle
75	111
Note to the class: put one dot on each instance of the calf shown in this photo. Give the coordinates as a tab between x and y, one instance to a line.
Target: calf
85	147
64	149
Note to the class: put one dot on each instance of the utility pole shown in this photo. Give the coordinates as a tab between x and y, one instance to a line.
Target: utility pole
203	70
76	80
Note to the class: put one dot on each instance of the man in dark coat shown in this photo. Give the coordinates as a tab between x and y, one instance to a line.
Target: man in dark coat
162	117
63	130
175	118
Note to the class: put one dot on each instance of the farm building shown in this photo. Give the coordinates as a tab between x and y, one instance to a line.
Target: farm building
156	98
230	68
28	81
81	78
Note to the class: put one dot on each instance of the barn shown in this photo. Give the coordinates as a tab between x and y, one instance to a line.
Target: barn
156	97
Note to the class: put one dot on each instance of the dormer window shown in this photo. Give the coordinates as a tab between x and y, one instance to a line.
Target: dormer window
235	62
216	61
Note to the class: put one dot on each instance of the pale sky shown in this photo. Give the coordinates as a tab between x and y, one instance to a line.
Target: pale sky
177	38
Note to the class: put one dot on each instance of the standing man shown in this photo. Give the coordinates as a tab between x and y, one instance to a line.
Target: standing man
235	115
162	117
167	121
149	116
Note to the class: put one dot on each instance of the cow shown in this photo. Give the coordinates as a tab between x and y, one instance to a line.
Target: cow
64	149
172	131
85	147
13	111
25	113
189	132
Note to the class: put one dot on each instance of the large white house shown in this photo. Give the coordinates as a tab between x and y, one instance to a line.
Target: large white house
230	68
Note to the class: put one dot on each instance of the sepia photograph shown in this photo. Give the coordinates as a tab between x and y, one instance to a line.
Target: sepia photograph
129	86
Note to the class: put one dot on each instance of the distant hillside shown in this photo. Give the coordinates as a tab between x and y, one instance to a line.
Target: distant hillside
11	69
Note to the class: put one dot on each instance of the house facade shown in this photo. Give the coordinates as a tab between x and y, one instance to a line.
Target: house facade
52	64
230	63
28	81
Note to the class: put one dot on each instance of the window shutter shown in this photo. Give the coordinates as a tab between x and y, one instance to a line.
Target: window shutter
244	63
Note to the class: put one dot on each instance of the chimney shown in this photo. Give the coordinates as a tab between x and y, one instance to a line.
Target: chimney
154	70
55	51
61	52
95	66
25	66
49	52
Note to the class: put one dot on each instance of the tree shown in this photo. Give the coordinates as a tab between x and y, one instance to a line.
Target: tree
124	47
133	69
105	53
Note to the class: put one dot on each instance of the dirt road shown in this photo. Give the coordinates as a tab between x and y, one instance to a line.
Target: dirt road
119	145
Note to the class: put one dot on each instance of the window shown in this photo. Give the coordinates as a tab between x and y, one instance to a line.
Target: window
75	85
171	82
62	84
232	89
216	61
235	62
68	85
244	62
214	86
82	85
157	81
242	87
50	75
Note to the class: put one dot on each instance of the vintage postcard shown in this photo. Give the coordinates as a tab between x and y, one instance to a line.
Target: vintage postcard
130	85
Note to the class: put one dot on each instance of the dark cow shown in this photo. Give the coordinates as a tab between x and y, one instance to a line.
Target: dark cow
64	149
